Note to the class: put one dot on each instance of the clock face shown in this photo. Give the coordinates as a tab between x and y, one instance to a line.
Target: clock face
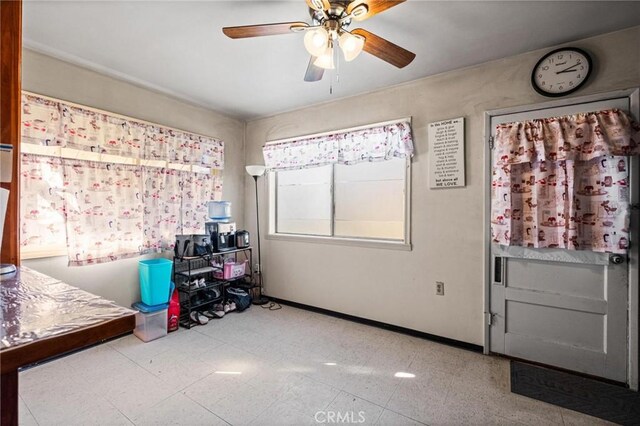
561	72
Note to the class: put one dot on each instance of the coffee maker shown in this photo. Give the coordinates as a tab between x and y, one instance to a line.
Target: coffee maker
223	235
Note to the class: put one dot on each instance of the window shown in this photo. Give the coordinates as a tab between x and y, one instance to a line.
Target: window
102	187
370	200
304	201
348	186
363	201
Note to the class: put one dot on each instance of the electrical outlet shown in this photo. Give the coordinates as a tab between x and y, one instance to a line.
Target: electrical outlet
439	288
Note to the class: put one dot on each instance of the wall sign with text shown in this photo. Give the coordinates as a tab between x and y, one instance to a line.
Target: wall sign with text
446	145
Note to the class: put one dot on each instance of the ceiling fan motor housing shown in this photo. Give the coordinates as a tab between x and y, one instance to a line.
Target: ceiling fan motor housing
333	27
335	18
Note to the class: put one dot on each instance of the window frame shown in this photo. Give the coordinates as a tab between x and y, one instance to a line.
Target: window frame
272	234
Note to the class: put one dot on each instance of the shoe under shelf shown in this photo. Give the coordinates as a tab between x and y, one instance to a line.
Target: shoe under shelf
197	271
190	290
195	306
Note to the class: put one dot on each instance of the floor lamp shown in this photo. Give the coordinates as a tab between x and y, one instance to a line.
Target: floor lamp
256	171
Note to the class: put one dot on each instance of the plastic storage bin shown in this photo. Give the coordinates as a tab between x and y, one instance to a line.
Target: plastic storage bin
231	270
220	210
151	321
155	280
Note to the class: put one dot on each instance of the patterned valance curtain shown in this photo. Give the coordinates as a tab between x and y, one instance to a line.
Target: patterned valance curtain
41	121
371	144
55	123
563	182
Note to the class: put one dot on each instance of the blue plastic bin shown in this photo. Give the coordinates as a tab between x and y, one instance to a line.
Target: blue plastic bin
155	280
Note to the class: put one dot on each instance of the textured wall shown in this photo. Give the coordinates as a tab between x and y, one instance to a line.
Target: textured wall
51	77
398	287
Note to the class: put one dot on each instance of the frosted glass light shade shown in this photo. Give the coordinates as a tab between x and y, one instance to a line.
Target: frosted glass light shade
351	45
255	170
325	60
316	41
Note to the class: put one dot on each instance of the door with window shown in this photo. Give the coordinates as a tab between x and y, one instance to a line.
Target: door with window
564	308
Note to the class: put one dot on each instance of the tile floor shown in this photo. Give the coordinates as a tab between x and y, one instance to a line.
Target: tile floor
290	366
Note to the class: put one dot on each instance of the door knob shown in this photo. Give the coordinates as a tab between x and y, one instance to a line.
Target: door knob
616	259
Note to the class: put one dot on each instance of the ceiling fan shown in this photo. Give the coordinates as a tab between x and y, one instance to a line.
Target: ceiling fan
330	23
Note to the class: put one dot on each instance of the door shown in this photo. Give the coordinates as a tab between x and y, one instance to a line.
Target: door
562	308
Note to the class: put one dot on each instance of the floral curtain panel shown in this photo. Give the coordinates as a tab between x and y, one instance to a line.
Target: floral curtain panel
161	198
564	182
108	211
104	211
197	189
175	202
372	144
56	123
42	212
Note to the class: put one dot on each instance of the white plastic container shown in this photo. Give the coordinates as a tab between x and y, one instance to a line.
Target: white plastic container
151	326
220	210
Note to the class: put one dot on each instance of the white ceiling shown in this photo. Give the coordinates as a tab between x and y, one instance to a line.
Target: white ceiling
178	47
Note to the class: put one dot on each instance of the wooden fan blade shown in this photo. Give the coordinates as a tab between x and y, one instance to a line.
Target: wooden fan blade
314	72
384	49
374	7
319	4
262	30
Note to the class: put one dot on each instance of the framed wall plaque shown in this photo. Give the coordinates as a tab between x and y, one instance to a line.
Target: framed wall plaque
446	153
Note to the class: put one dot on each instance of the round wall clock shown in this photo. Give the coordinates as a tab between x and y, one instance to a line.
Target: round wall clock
561	71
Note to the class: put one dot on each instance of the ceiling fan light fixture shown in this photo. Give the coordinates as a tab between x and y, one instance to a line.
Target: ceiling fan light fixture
351	45
316	41
325	60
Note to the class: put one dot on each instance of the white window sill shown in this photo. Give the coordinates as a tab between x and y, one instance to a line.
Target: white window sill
41	252
342	241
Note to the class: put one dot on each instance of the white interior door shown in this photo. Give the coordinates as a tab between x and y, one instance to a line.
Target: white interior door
564	309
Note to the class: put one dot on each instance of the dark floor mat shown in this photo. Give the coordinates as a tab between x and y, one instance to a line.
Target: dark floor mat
606	401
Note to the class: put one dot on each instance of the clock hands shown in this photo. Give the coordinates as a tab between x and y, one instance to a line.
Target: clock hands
569	69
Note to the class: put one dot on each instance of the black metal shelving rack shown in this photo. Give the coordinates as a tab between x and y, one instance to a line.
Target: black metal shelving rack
186	269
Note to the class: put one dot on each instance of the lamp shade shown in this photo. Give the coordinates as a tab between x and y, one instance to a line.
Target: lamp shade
316	41
351	45
325	60
255	170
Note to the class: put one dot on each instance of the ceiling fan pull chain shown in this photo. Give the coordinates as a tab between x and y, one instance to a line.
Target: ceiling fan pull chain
337	60
331	85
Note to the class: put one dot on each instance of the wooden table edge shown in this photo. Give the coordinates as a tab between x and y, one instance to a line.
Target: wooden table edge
13	358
